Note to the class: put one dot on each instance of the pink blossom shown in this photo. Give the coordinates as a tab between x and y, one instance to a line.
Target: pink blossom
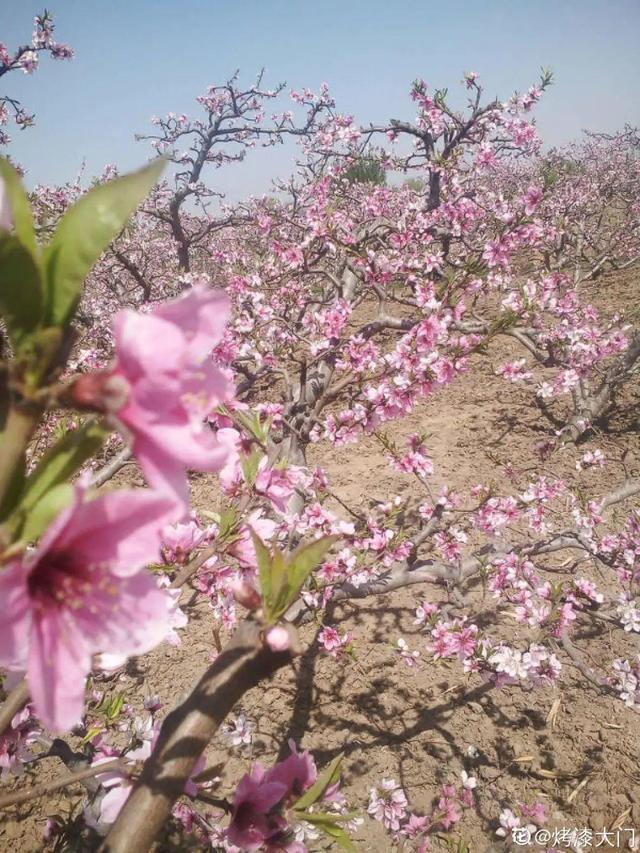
508	821
591	459
532	199
415	826
485	158
256	819
542	667
162	395
15	742
242	548
239	731
424	612
29	61
589	590
332	642
253	821
80	592
179	540
448	807
508	662
629	613
409	657
390	806
119	787
537	811
515	371
276	484
468	782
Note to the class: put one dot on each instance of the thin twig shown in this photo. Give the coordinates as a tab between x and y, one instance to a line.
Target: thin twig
111	468
15	701
586	670
192	567
35	791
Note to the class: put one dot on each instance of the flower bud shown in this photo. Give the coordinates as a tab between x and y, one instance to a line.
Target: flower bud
277	639
99	392
246	595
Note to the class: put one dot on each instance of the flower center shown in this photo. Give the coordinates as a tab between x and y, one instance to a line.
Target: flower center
59	579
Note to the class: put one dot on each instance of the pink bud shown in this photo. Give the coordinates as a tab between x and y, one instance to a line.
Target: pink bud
277	639
246	595
102	392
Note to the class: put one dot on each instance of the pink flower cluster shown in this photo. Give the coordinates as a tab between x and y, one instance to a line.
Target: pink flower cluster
258	820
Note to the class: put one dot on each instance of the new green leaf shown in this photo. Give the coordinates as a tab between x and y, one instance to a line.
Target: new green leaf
328	777
62	461
263	558
327	823
21	297
20	208
302	562
46	510
84	233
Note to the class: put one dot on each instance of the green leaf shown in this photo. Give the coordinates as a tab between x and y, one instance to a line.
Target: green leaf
328	823
115	706
263	558
249	465
46	510
93	731
20	208
303	561
227	524
328	777
38	355
62	461
20	288
84	233
281	579
251	423
279	584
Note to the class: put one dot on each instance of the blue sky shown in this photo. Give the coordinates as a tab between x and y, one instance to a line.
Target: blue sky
136	58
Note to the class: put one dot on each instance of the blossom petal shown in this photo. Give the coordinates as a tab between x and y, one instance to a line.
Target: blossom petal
121	528
15	615
135	619
202	314
162	470
113	801
137	339
59	663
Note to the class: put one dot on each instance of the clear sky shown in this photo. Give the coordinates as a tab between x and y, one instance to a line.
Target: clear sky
136	58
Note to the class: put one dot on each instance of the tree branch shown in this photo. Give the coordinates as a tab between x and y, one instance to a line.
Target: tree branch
186	733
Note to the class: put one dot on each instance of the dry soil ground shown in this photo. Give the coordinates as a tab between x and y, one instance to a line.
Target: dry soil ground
416	725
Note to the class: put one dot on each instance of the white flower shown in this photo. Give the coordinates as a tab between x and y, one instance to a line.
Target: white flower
239	732
508	661
508	821
468	782
629	614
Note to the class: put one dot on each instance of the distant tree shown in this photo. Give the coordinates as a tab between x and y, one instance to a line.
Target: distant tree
366	170
415	185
